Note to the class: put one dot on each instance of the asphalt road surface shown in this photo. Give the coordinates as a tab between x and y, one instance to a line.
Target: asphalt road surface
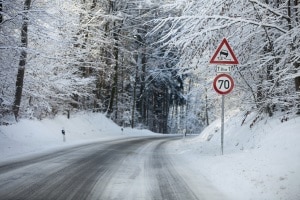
131	169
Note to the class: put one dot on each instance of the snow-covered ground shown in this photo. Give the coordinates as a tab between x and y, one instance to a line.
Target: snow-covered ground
34	136
262	162
259	163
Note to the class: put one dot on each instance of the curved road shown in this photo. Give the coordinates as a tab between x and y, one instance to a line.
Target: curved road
132	168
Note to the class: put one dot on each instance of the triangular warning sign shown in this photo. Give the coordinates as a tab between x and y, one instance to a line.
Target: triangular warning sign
224	55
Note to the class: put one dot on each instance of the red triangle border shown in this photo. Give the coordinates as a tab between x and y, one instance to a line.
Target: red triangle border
224	62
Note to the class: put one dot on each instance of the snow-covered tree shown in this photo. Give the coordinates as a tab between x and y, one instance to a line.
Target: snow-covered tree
264	35
10	26
145	63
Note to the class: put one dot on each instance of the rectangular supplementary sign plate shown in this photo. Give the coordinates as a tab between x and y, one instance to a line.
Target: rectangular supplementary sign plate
224	69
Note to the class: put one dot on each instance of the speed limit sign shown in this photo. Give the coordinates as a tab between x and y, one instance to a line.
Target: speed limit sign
223	84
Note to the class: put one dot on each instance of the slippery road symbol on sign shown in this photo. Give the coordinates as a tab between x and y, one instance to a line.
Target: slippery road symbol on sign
224	55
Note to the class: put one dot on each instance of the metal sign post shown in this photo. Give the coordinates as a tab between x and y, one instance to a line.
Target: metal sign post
223	84
222	123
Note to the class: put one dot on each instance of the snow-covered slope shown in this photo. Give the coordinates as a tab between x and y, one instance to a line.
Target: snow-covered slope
33	136
262	162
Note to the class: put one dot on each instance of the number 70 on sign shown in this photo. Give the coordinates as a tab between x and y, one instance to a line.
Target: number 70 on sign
223	84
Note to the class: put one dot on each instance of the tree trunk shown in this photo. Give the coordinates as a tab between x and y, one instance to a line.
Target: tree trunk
142	97
114	89
297	86
294	10
134	97
22	63
1	9
206	107
297	82
297	65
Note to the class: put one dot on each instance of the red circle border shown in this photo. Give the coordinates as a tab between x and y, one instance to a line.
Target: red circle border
215	84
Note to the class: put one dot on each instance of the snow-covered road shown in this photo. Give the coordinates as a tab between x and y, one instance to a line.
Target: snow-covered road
132	168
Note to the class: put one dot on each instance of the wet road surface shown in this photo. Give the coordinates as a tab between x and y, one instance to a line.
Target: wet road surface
132	168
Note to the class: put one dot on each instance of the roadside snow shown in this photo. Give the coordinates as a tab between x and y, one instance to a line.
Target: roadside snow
34	136
262	163
259	163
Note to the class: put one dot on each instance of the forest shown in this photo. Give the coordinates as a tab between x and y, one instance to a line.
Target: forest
145	63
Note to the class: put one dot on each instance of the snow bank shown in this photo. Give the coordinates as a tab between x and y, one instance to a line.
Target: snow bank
262	162
258	163
33	136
